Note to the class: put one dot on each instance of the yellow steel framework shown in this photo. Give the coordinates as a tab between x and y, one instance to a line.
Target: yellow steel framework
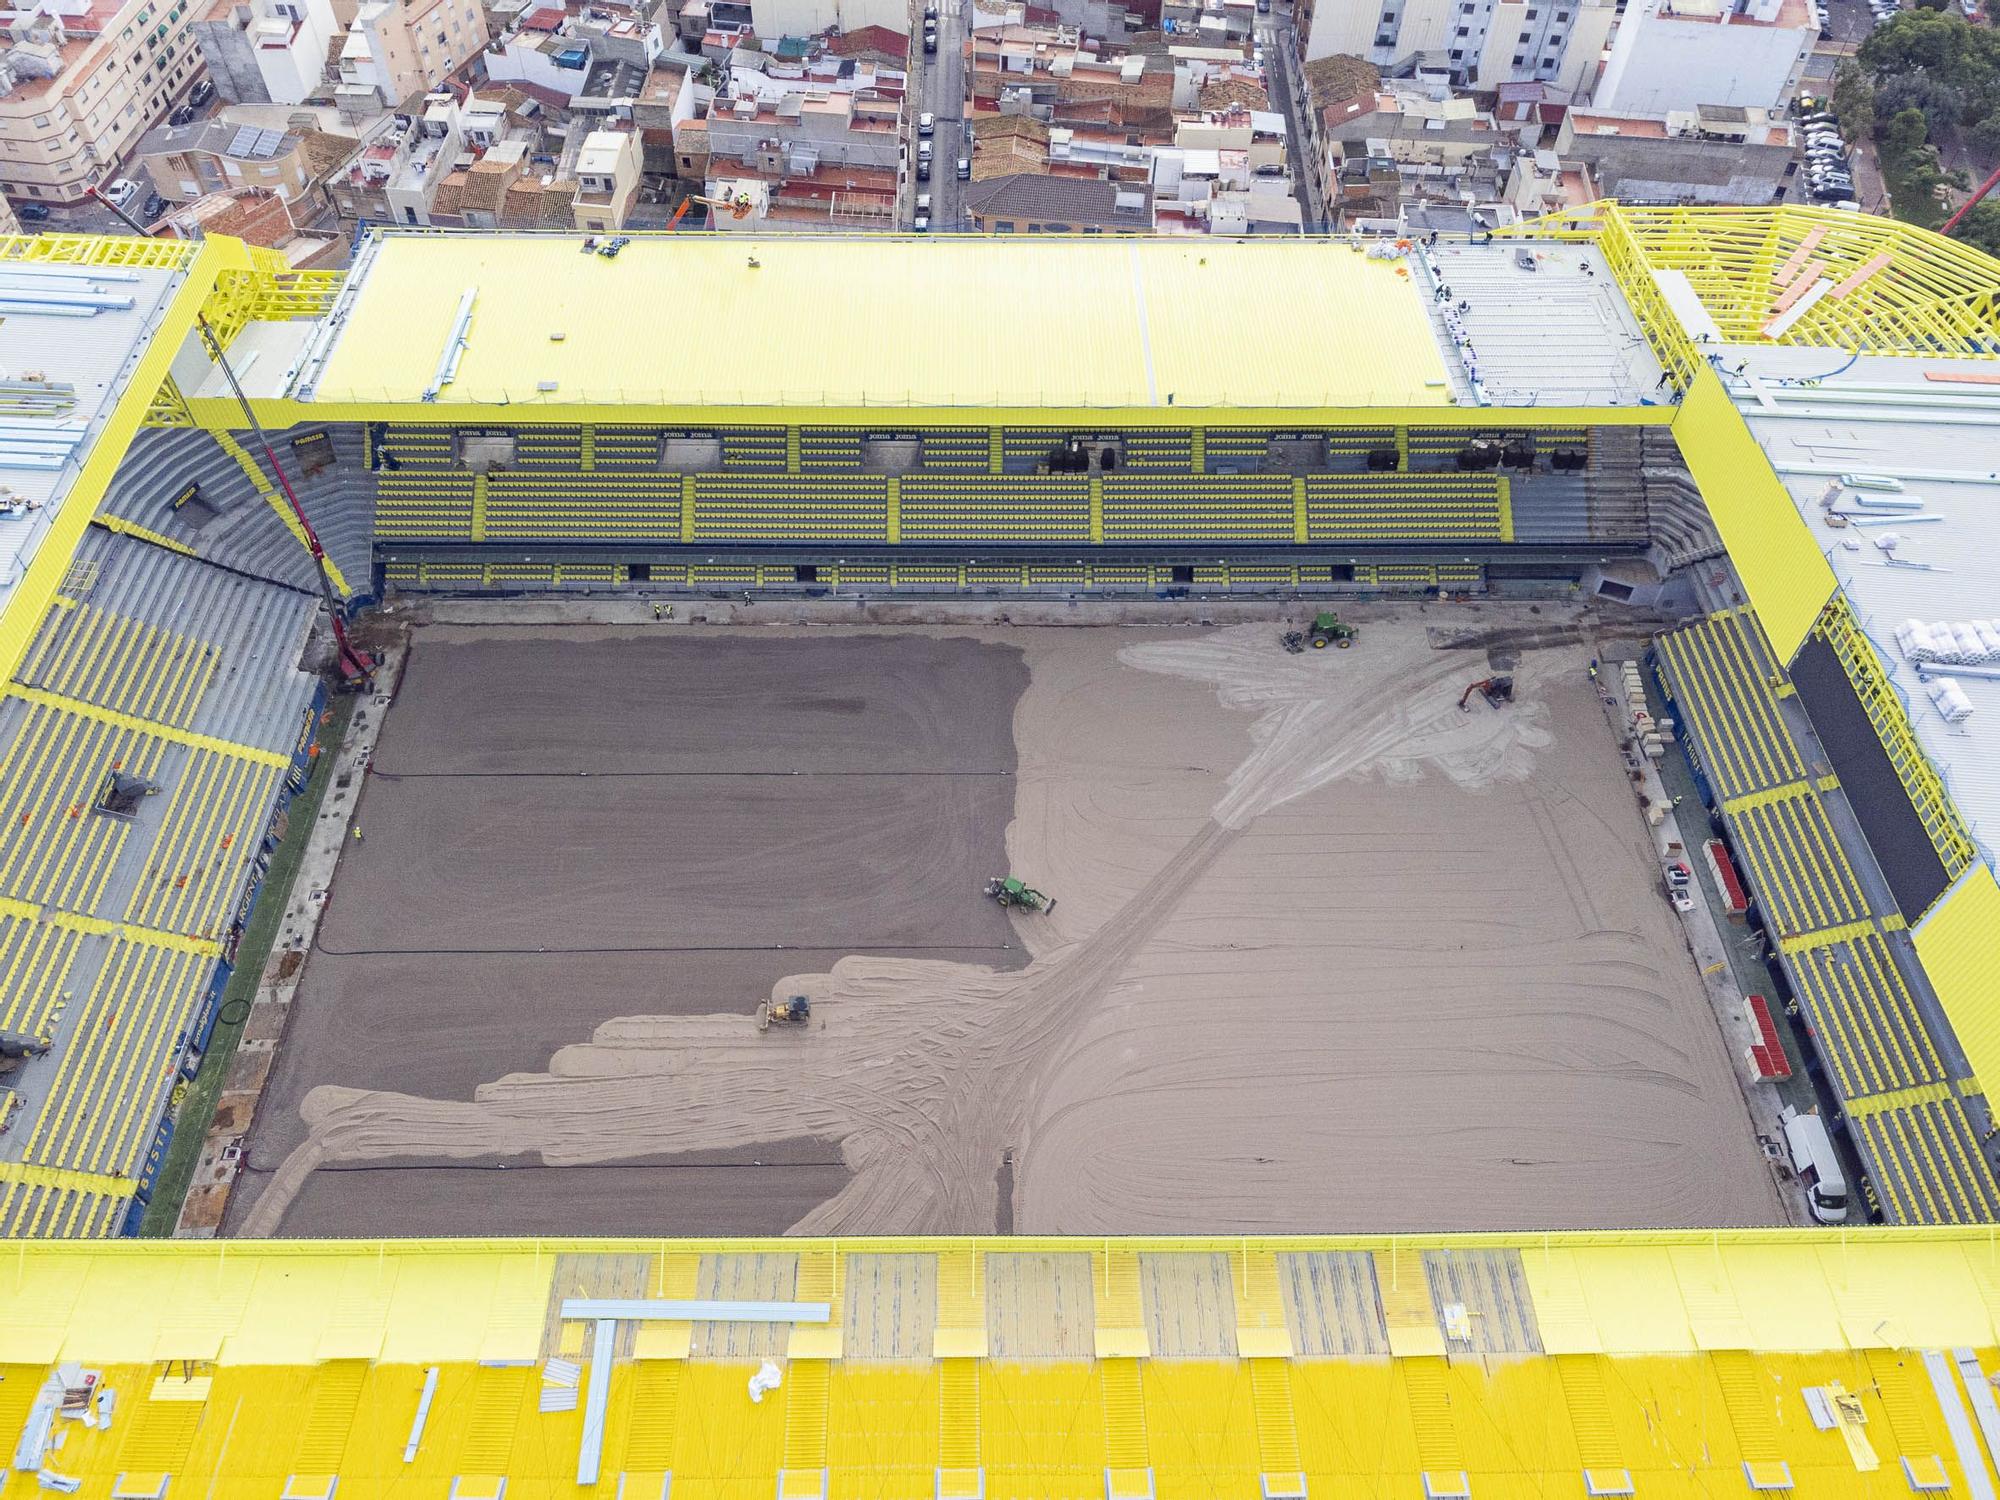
1838	627
1891	288
98	250
268	290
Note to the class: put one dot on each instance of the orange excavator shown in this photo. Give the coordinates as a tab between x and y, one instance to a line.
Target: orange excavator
737	208
1496	691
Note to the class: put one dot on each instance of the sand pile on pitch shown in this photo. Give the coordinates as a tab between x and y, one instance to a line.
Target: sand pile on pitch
1154	1067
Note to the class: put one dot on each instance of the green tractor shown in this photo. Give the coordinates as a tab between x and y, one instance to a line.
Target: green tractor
1008	890
1328	629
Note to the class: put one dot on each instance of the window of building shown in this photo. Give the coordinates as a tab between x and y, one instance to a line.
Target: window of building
1388	18
1526	37
1519	58
1385	41
1458	54
1464	30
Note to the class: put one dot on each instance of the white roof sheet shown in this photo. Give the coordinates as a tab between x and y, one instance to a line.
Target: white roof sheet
1880	415
91	351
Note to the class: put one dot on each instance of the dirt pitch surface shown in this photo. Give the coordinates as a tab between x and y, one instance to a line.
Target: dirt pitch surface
1329	953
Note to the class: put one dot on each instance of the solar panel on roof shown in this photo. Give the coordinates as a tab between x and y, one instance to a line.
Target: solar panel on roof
268	142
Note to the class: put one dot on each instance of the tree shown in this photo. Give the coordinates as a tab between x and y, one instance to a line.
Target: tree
1854	102
1906	133
1982	138
1981	227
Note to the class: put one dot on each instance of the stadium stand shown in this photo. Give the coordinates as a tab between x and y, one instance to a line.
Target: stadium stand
1906	1108
120	924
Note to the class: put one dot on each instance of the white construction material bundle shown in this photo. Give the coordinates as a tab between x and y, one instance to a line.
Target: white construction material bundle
1949	699
1967	643
1888	502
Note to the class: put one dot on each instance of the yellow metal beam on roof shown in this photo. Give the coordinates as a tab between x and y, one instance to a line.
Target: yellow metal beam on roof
1959	943
885	323
1787	575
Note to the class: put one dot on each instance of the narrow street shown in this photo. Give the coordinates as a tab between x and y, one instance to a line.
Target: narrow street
1287	86
939	87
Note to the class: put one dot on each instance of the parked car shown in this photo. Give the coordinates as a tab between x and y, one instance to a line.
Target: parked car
121	192
923	169
32	213
926	123
921	224
965	169
202	92
183	114
155	206
930	42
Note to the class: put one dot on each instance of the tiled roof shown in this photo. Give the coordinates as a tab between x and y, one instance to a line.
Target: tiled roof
1064	200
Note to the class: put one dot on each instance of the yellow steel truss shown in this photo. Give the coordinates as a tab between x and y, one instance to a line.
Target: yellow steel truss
1838	627
169	408
98	250
1892	288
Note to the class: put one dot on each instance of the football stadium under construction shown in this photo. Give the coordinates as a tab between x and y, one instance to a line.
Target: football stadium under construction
906	867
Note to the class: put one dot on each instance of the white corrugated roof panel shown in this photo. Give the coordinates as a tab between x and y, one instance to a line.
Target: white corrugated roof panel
1878	415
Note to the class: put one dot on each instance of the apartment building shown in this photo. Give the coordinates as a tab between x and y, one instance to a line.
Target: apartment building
607	179
398	50
265	51
80	82
1025	203
1477	42
186	162
400	169
1680	54
772	19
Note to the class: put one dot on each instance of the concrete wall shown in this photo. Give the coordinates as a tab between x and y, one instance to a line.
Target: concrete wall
1660	63
232	61
1700	171
781	18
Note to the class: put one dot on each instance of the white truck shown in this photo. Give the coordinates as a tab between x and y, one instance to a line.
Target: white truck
1818	1168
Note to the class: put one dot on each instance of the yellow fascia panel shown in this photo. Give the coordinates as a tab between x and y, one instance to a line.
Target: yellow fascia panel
1774	552
1561	1310
1959	943
1634	1298
1784	1302
1909	1294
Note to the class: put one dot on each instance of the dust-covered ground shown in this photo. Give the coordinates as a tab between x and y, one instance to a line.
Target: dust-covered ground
1329	953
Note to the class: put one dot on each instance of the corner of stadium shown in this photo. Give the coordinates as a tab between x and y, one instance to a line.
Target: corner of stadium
472	694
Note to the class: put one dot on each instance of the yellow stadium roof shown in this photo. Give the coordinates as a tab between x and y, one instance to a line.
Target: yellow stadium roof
1645	1364
812	321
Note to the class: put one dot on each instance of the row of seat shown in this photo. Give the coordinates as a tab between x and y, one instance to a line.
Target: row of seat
1865	1017
114	661
829	448
596	507
112	1081
616	449
753	447
211	834
1199	507
1928	1165
35	959
413	446
961	449
54	850
1160	449
34	1210
1721	675
1416	507
996	508
415	574
1797	866
424	505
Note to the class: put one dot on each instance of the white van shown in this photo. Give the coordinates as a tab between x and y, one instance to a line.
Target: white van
1813	1159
